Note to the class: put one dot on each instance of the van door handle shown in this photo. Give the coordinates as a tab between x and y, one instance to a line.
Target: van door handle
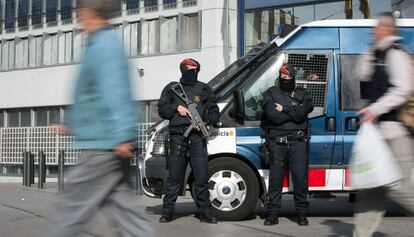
330	124
352	124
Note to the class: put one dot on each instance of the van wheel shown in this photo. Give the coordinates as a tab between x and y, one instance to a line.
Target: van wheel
233	189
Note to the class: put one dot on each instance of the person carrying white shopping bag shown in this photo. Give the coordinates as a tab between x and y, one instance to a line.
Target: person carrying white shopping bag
386	75
372	163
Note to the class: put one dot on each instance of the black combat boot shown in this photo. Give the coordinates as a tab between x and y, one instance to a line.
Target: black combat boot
271	220
207	218
166	217
302	220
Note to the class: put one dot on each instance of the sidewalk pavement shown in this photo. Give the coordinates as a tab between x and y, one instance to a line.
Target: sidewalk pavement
24	212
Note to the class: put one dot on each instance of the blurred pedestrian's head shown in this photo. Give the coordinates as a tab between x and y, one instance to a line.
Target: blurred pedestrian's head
386	26
92	14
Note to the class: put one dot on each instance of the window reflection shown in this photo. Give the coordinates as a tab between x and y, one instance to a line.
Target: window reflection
264	25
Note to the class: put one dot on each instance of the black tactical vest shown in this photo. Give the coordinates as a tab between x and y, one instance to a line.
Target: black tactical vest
379	83
196	94
282	97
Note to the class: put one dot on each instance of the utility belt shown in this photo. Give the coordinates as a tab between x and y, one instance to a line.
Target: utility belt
290	136
181	130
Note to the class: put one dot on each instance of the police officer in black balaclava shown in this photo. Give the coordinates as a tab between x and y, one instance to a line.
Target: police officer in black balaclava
285	124
192	148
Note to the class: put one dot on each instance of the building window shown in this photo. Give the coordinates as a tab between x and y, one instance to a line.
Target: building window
132	4
169	4
37	8
7	53
190	32
22	53
47	116
13	118
64	47
151	5
66	10
153	112
116	8
50	49
10	14
19	118
134	42
23	18
41	117
169	33
189	3
1	118
79	40
25	118
51	11
35	51
4	55
54	115
265	25
150	37
68	47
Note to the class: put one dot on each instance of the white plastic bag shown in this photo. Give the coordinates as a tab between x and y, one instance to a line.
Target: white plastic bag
372	162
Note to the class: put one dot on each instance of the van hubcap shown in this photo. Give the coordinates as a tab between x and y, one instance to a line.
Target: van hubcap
227	190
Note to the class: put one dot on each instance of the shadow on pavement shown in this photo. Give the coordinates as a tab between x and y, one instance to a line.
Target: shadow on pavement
340	228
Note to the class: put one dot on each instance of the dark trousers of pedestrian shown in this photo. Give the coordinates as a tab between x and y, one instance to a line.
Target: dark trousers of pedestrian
295	156
177	165
100	180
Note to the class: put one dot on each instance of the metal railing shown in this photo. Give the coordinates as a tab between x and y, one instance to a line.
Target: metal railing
15	141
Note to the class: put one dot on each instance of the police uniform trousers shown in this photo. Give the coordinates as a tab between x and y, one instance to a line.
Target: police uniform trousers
192	149
294	154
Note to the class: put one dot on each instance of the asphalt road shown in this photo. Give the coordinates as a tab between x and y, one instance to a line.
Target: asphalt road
24	212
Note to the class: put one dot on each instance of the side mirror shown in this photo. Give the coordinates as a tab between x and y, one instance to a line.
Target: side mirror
237	112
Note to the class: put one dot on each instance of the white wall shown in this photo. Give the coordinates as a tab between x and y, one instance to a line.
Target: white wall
54	85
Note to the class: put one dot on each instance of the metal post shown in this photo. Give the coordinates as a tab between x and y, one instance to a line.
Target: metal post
41	171
32	168
61	164
24	168
27	174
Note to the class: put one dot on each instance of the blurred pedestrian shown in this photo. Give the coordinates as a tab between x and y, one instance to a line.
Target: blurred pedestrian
386	74
103	119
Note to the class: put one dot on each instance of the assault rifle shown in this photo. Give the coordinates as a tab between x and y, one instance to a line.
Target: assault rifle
195	118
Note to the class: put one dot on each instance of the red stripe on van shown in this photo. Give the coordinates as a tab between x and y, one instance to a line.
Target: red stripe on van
317	178
347	176
286	179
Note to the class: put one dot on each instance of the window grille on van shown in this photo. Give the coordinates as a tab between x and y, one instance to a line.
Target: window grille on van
312	74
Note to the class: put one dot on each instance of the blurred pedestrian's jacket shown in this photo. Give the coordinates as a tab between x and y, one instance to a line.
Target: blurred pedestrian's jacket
103	114
386	69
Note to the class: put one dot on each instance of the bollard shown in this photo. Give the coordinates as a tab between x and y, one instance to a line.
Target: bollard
41	170
32	169
27	174
61	164
24	168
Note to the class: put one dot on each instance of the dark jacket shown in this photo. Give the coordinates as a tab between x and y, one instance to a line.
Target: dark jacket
200	93
296	107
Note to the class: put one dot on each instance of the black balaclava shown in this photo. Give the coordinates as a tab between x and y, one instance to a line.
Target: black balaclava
189	77
284	84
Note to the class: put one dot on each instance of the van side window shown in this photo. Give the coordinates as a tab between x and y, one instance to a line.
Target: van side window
266	76
350	87
312	74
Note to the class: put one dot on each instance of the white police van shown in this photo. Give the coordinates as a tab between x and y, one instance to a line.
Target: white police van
324	53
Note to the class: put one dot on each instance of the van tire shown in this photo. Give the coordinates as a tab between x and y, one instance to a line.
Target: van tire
247	184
